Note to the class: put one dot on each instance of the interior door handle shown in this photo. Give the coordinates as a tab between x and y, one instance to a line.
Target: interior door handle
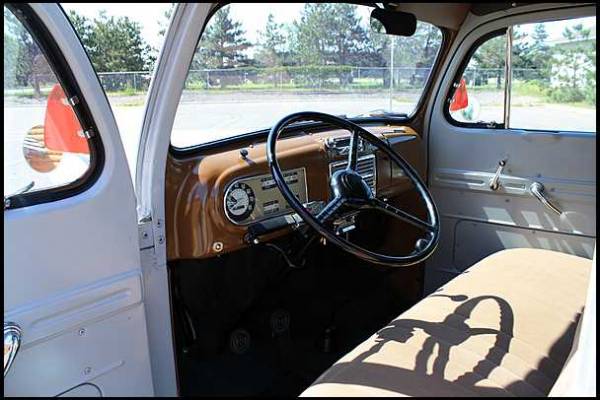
537	189
12	342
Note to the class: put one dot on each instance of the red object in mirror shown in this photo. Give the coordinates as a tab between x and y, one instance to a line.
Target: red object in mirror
460	99
62	130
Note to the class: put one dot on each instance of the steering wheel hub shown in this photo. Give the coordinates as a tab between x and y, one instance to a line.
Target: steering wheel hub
349	184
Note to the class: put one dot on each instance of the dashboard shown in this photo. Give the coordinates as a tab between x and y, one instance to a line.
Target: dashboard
218	200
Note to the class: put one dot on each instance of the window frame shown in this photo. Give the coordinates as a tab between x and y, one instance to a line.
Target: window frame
64	75
263	133
458	75
505	125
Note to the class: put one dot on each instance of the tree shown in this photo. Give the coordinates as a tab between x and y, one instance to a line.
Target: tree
539	53
26	62
113	43
491	55
223	43
164	23
272	44
330	33
11	51
117	45
534	55
575	65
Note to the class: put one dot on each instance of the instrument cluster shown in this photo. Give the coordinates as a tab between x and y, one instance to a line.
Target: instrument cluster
256	198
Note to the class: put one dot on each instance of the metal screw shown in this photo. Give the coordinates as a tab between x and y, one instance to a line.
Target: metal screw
81	331
217	246
161	239
87	370
158	222
145	235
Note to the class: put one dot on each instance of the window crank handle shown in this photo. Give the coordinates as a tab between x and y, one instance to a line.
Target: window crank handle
495	182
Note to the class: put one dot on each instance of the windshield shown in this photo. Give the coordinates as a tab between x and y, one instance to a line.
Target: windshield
256	63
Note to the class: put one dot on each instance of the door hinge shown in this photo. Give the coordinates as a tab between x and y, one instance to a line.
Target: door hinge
146	234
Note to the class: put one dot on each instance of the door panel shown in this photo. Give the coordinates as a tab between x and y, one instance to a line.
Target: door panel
72	271
477	221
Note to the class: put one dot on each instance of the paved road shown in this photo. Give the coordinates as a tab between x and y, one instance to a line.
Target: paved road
224	116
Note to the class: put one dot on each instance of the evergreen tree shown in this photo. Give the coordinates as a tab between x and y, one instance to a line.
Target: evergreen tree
272	43
491	55
223	43
29	67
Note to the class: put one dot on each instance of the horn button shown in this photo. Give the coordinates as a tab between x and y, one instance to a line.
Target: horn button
350	184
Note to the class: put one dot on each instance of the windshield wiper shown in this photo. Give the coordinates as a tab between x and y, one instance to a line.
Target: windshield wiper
24	189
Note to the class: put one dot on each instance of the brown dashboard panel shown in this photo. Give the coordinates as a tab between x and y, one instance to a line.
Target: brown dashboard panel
197	225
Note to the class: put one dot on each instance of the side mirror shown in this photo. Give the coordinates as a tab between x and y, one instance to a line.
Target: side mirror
393	22
462	106
460	100
44	145
62	130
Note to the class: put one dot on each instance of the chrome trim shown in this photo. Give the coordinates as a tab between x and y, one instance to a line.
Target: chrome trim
12	342
495	181
253	177
537	190
508	76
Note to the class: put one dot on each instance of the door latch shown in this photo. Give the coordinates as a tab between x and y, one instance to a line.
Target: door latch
12	341
537	190
495	181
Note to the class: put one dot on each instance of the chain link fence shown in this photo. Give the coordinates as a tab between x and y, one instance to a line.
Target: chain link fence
327	77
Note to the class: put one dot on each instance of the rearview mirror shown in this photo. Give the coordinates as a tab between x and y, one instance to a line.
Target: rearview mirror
393	22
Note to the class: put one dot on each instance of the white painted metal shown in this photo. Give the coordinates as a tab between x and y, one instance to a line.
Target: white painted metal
161	106
72	271
578	377
477	221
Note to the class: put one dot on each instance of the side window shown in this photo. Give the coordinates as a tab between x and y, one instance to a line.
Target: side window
554	76
479	96
551	77
45	146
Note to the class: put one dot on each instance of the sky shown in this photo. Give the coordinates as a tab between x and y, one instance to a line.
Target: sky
253	16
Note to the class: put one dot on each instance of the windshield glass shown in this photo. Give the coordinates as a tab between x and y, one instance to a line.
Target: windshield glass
256	63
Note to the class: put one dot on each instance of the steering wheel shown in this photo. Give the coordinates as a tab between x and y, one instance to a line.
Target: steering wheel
349	190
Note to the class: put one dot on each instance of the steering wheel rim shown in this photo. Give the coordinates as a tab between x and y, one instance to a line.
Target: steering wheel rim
347	181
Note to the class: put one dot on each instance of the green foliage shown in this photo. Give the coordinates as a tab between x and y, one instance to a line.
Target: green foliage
566	94
25	63
272	44
11	49
575	63
492	55
223	43
113	43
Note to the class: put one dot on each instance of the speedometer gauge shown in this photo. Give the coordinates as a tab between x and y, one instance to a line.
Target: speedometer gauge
239	201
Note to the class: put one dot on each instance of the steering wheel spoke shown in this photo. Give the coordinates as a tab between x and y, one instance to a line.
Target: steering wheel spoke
330	209
350	190
353	152
400	214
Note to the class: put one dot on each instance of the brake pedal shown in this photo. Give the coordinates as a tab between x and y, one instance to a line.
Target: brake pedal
239	341
280	322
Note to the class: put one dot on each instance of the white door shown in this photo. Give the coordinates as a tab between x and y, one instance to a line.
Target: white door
515	165
72	275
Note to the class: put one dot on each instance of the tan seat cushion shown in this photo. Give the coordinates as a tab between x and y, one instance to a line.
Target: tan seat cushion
503	327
